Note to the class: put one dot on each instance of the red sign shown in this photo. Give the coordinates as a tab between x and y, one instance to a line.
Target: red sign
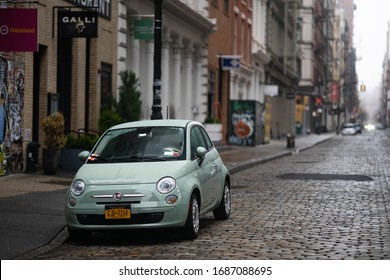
334	93
18	30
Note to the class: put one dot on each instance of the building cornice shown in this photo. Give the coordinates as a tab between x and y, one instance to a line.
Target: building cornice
186	14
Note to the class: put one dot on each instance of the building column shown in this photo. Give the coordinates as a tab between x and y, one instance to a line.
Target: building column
133	57
166	93
196	96
186	101
147	100
175	103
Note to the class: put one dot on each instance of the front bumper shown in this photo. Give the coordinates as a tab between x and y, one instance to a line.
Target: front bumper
147	211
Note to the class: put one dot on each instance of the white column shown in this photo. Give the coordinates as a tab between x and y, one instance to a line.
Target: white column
197	85
203	83
147	100
165	89
134	55
175	103
186	102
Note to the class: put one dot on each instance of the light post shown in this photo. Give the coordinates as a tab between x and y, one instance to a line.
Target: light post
156	107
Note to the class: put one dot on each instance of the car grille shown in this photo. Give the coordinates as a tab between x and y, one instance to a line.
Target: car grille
135	219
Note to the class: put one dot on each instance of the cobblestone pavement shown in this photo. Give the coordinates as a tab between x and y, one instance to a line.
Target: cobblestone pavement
298	207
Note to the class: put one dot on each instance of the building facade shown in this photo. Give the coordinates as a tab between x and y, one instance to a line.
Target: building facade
67	74
184	52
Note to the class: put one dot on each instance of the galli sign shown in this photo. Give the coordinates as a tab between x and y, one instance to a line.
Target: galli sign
77	24
18	30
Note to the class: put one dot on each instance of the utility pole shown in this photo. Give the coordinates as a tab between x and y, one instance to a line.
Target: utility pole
156	107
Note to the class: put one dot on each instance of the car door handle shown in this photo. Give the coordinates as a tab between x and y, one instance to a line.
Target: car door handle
214	169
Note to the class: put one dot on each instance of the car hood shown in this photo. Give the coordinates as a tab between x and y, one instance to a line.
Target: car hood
125	173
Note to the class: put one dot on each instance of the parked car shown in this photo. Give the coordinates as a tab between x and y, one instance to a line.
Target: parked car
348	129
380	126
148	174
358	128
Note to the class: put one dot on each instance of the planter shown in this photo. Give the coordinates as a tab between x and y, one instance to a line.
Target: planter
70	159
215	131
51	160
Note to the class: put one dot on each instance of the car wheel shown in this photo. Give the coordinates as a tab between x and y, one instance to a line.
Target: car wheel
225	207
79	235
191	229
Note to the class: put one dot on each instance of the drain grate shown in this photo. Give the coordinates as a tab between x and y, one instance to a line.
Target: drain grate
325	177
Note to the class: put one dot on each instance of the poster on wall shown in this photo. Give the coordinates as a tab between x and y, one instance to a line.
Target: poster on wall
19	30
245	122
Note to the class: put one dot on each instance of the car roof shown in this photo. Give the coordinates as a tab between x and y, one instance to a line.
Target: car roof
166	122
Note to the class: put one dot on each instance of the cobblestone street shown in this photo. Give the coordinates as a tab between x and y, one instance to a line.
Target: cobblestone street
329	202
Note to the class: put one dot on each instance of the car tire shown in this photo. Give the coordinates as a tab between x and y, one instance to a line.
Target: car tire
225	206
79	235
191	229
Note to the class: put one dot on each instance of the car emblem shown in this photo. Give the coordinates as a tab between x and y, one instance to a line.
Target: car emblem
118	196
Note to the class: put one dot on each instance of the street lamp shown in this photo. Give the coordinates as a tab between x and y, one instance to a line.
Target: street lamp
156	107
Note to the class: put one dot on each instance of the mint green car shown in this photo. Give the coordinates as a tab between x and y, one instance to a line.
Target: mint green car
148	174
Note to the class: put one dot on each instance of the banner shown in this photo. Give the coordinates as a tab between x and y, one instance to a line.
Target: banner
18	30
77	24
144	29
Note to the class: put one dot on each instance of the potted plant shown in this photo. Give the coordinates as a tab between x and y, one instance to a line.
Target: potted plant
55	140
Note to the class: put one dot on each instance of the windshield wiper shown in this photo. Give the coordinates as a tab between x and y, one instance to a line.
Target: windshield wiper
139	158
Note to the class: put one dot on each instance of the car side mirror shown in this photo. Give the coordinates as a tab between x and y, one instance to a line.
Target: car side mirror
201	153
83	156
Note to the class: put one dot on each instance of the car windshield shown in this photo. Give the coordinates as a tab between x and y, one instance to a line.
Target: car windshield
349	125
140	144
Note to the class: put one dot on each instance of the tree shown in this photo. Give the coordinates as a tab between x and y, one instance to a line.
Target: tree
127	109
129	105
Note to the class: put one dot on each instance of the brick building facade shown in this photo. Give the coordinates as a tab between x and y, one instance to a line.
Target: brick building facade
65	74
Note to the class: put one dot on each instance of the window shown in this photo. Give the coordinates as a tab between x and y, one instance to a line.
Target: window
211	93
226	7
207	139
106	97
235	35
242	50
197	140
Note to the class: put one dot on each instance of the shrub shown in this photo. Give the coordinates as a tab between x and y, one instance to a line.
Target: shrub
54	127
81	142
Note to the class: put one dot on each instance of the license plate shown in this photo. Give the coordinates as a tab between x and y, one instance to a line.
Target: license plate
117	212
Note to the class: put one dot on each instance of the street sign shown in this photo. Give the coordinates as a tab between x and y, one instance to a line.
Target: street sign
230	62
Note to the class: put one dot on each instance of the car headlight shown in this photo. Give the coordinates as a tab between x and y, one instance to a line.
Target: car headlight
166	185
77	187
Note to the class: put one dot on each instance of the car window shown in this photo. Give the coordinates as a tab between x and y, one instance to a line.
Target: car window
139	144
196	140
207	139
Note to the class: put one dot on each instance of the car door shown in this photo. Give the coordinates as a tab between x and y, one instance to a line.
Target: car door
216	180
205	170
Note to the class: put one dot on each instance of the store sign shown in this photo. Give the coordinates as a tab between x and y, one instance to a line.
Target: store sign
77	24
102	7
19	30
144	29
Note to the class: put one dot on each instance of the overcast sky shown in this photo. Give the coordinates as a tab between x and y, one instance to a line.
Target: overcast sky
371	19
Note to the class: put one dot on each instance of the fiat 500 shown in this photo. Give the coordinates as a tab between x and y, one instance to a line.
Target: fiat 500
148	174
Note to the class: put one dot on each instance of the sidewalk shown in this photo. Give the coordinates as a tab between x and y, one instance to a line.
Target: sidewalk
31	207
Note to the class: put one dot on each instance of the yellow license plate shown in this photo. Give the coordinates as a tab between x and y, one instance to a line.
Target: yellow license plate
117	213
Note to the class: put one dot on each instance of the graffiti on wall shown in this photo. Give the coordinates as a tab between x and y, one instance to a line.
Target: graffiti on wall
11	109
